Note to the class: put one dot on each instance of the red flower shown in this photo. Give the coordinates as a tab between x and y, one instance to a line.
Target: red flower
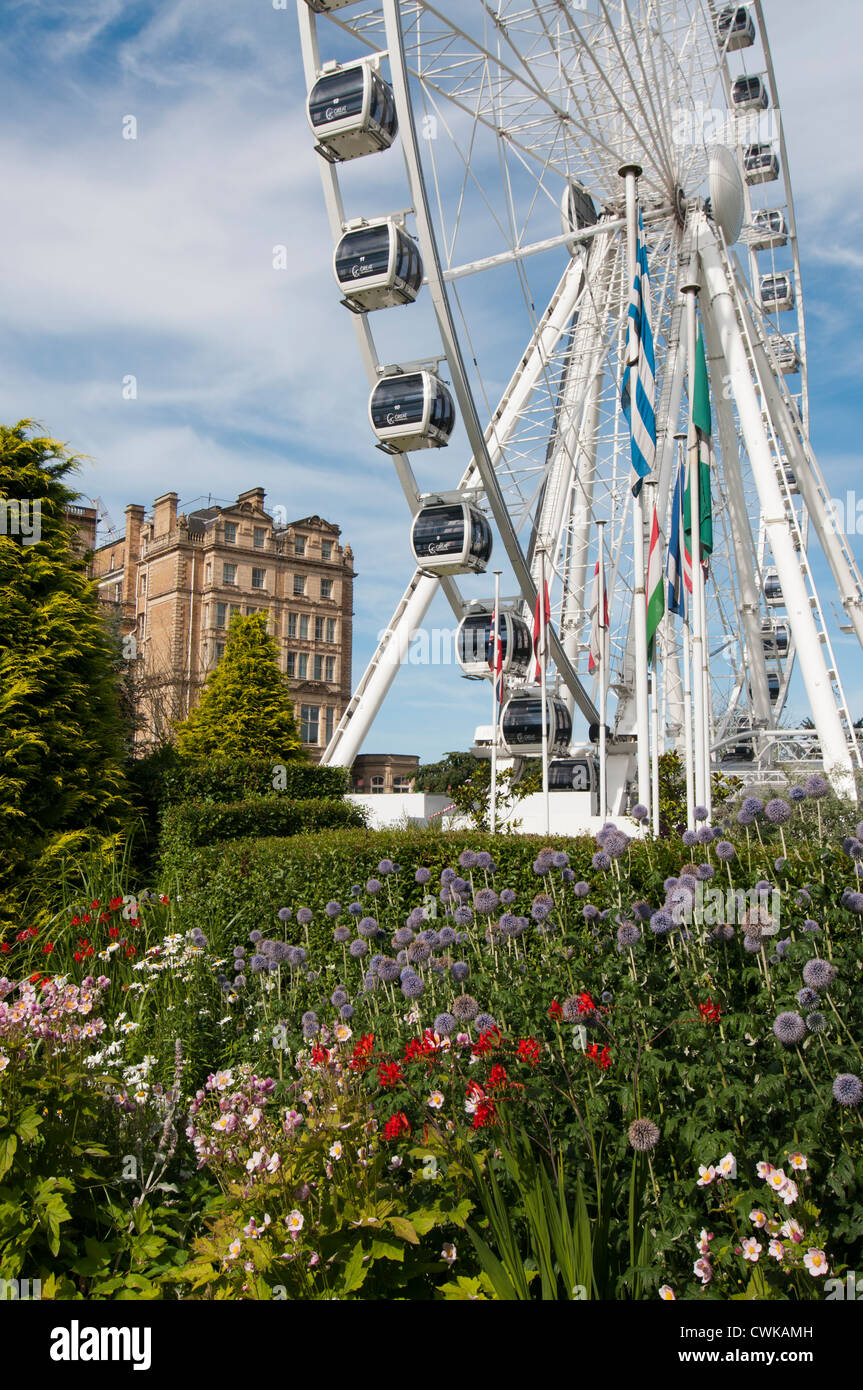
87	917
586	1004
95	903
37	976
320	1056
528	1051
47	948
396	1125
555	1011
103	917
76	921
474	1091
22	935
362	1053
34	931
113	932
164	899
115	903
130	950
5	948
497	1076
389	1074
484	1115
710	1012
486	1042
601	1058
419	1048
134	921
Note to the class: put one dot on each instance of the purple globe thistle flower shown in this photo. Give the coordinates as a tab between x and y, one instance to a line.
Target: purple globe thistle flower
816	1022
467	859
797	794
295	955
239	981
581	889
753	806
680	900
309	1017
368	927
483	1022
258	963
808	998
752	944
816	787
782	947
628	934
789	1028
601	861
239	951
560	860
255	937
705	835
541	906
304	916
671	883
346	1012
415	919
310	1030
777	811
338	997
465	1008
486	901
333	909
744	818
356	889
406	972
446	936
386	867
373	887
485	862
819	974
643	1136
546	858
459	885
854	902
239	964
661	923
358	948
284	914
701	813
642	911
341	935
780	865
507	897
725	851
433	939
724	932
589	912
639	812
848	1089
356	909
762	886
568	875
447	876
460	971
606	996
689	838
422	876
810	926
508	924
616	843
418	952
802	897
389	971
705	872
463	916
444	1024
370	983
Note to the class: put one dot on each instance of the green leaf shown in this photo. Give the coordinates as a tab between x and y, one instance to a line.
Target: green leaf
404	1228
355	1270
8	1145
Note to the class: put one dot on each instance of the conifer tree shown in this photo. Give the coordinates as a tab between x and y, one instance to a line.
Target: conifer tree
60	734
245	709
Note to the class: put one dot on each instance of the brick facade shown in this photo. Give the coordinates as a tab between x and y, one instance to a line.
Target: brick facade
174	582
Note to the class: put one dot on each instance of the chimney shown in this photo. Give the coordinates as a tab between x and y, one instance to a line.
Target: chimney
165	514
255	495
132	553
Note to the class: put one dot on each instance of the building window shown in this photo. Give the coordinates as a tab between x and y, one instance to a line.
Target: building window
299	545
326	588
330	670
319	668
377	786
299	585
328	724
326	550
291	667
220	651
209	573
250	611
259	579
304	627
331	630
260	536
319	629
221	615
309	722
401	784
303	667
236	611
229	574
292	624
143	586
230	533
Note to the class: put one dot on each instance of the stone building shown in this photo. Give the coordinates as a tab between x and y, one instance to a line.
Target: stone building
376	774
174	582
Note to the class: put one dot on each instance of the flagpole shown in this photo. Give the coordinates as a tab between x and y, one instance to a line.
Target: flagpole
691	290
603	678
687	665
630	174
654	693
496	676
543	688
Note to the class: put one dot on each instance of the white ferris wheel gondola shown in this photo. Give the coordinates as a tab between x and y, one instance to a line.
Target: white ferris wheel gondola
377	266
451	537
412	410
351	111
475	642
521	725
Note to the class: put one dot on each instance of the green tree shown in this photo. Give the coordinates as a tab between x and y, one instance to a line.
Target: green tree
443	777
60	733
245	709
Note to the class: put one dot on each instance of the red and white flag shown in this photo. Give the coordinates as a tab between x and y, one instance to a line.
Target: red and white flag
597	627
496	663
541	655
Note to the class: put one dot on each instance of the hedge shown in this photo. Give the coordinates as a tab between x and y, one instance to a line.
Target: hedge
245	882
201	823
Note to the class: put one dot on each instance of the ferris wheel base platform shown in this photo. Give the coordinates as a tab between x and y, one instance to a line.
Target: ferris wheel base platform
570	814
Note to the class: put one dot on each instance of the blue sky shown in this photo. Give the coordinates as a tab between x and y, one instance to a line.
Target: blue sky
153	258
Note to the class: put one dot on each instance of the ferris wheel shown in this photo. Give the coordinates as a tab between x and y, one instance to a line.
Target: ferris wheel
490	293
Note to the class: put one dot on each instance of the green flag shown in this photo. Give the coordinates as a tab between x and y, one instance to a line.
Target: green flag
703	429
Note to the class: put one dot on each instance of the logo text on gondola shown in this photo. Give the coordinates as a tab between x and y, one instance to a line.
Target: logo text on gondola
711	125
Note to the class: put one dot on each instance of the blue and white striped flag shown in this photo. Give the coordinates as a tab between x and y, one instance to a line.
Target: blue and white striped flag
640	357
674	563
